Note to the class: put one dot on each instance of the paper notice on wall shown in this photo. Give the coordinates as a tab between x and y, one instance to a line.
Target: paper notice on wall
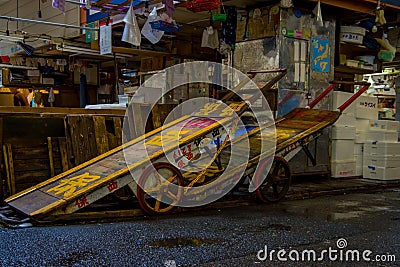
303	51
105	40
302	72
296	72
296	50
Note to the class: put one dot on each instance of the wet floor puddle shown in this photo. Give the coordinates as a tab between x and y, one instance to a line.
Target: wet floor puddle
184	242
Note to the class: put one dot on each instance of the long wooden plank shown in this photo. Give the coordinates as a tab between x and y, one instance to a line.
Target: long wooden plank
118	130
100	133
51	159
10	168
47	111
7	168
98	158
63	153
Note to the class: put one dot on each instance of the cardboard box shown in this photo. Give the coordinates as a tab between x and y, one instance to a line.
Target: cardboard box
384	161
47	80
381	173
343	132
381	148
341	169
342	150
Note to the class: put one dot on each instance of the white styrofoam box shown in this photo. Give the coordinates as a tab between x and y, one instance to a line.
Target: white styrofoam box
366	101
381	148
343	132
381	136
360	137
346	168
338	98
342	150
359	170
367	113
359	160
362	124
351	38
348	119
381	173
386	125
389	161
358	149
353	29
352	63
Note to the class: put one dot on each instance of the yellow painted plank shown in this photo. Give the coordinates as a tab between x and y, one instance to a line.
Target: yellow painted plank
83	165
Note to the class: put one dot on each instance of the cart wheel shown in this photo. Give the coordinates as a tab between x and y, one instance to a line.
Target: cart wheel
124	194
277	183
164	189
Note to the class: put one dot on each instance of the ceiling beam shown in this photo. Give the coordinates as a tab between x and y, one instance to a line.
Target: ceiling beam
350	5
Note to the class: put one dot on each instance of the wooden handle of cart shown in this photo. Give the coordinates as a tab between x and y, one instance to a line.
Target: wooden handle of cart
322	95
333	86
352	98
252	74
266	71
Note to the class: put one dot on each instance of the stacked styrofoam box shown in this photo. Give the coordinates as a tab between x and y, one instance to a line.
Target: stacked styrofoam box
352	34
343	134
381	160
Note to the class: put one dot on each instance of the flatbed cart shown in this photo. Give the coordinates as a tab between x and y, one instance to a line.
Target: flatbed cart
272	175
83	185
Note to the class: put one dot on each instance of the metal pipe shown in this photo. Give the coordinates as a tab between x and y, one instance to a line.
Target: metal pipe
48	23
87	3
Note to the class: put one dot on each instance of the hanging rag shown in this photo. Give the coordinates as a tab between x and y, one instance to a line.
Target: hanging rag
210	38
51	98
131	30
320	22
169	6
380	15
153	35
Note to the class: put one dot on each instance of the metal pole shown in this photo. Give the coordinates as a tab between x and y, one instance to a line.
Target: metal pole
48	23
116	77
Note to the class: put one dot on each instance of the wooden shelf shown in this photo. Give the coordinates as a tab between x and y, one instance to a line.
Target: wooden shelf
25	85
358	47
352	70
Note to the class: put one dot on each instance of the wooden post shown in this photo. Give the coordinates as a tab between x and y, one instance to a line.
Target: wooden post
8	159
51	158
100	133
63	153
118	130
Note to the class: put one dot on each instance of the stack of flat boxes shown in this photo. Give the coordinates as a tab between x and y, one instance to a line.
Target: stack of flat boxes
343	135
372	138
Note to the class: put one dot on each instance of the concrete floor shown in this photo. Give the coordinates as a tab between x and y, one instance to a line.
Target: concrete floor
224	237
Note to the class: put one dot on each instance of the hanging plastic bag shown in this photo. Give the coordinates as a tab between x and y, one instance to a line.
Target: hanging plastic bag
131	31
153	35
